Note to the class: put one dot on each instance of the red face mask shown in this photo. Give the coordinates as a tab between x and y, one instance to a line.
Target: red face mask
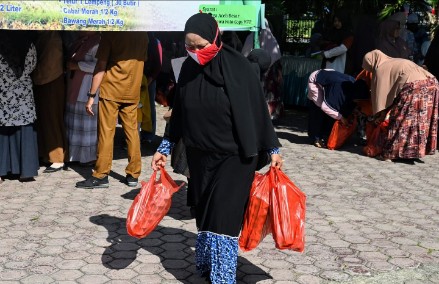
203	56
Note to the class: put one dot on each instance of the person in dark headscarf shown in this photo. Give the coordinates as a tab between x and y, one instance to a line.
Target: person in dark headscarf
18	136
390	42
232	39
220	113
336	42
271	80
332	96
260	60
431	61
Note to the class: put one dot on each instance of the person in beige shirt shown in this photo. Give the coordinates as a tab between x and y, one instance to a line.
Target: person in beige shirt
118	75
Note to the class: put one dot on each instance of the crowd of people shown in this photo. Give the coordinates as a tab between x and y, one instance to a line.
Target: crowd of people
53	87
397	88
62	96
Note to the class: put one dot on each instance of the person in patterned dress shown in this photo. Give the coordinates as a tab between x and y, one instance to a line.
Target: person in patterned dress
220	113
408	95
82	128
18	136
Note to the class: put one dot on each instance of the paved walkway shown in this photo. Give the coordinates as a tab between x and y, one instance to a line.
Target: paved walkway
367	222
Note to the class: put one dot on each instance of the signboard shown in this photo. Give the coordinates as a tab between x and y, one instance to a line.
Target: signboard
233	16
120	15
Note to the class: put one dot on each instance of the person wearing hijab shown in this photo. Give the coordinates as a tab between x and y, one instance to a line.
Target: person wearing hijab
390	42
18	136
231	38
271	79
408	95
401	18
335	43
50	100
261	61
332	94
431	61
267	41
82	129
220	113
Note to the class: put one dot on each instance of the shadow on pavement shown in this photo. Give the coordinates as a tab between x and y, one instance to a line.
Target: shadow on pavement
295	119
173	246
86	172
293	138
119	153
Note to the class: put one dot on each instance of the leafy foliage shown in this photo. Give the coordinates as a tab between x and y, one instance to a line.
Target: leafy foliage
416	5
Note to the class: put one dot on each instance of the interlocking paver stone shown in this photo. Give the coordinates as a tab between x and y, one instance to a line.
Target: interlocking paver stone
334	276
367	222
93	279
121	274
12	274
37	279
65	275
403	262
309	279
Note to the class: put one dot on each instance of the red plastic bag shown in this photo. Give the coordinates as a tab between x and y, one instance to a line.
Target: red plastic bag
340	134
151	204
375	138
256	226
287	212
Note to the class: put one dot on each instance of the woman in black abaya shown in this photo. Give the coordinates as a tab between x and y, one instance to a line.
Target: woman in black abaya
220	112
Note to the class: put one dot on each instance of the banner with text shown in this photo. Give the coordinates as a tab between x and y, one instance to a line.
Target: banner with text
118	15
234	17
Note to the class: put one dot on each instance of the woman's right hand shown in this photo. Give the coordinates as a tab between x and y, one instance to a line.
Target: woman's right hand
88	106
380	116
158	160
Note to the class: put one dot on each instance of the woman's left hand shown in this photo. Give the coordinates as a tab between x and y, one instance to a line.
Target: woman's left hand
276	161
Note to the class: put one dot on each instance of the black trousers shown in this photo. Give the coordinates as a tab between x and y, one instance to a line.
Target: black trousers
319	123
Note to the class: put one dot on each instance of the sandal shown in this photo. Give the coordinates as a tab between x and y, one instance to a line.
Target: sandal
319	143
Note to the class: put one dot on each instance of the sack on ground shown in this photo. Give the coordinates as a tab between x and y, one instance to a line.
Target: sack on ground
151	204
256	224
287	212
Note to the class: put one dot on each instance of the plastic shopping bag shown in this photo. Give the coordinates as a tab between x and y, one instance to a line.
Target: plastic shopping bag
256	226
287	212
375	138
340	134
151	204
